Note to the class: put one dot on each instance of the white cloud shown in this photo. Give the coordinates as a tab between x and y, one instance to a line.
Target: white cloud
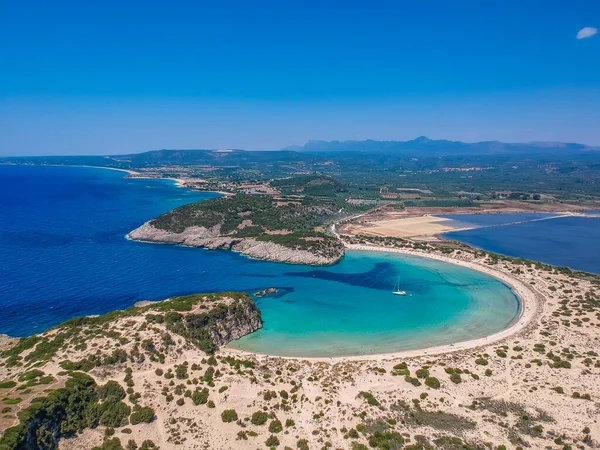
586	32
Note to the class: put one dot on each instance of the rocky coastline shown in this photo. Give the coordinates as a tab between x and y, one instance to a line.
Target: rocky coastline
210	238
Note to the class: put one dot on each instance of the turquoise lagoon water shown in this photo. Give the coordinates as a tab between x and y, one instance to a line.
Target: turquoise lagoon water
63	253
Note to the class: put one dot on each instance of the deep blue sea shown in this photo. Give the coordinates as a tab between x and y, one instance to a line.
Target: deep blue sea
63	253
570	241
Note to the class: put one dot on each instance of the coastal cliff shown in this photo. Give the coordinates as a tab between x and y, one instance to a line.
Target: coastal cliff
254	226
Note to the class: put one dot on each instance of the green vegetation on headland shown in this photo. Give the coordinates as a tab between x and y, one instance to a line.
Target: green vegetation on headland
248	215
227	222
201	328
312	185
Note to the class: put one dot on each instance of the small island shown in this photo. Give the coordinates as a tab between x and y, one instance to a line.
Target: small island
258	226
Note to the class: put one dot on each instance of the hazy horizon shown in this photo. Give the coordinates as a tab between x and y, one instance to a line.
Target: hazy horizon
287	147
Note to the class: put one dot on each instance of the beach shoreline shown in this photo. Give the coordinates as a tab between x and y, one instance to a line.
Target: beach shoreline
132	174
529	303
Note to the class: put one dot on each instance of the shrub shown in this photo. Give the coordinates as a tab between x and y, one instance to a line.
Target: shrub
481	362
412	380
272	441
145	414
275	426
110	444
386	440
455	378
148	445
401	370
111	391
369	398
259	418
114	414
200	397
302	444
432	382
422	373
359	446
229	415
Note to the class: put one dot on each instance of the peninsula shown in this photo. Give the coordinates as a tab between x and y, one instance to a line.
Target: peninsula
258	226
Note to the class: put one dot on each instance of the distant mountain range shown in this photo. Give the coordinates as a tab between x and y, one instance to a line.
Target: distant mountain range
419	147
423	146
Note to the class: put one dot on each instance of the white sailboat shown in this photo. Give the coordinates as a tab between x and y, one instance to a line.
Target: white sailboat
397	290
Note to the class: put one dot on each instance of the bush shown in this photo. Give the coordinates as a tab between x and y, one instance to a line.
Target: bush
111	391
481	362
386	440
272	441
401	370
148	445
110	444
200	397
275	426
369	398
422	373
114	414
259	418
432	382
455	378
229	415
145	414
302	444
412	380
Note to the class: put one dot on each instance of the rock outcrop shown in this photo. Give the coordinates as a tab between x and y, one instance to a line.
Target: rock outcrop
264	292
249	246
238	322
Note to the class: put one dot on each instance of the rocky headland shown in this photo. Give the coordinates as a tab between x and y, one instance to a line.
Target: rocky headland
254	226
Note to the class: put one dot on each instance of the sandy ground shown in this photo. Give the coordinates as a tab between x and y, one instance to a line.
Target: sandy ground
404	227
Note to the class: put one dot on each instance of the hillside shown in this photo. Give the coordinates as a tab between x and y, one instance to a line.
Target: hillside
313	185
57	382
258	226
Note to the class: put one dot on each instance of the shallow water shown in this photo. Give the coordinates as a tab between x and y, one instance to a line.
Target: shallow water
64	254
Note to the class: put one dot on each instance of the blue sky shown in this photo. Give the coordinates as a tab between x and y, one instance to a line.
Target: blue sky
100	77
